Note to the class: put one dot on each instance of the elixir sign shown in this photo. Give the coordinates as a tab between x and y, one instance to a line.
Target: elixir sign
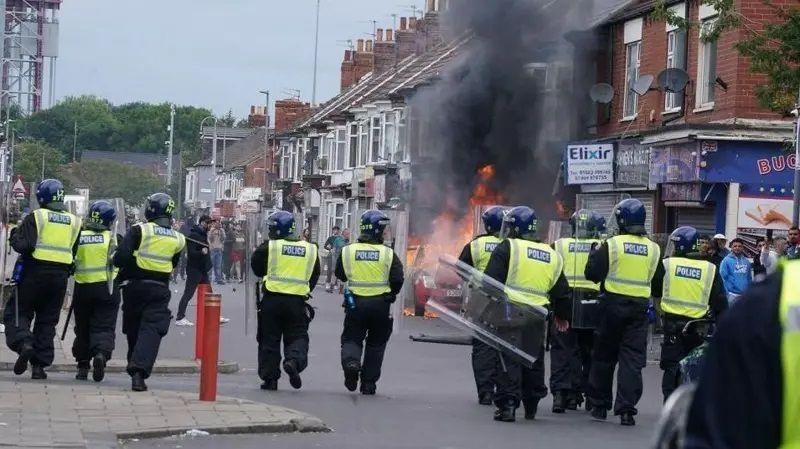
590	164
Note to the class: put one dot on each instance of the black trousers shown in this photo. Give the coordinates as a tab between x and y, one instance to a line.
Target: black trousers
366	332
281	317
516	382
95	318
570	359
145	321
675	347
484	362
194	277
40	296
621	339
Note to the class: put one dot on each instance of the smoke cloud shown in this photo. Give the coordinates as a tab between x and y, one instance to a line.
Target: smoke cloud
495	104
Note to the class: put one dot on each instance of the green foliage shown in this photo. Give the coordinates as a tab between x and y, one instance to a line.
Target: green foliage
110	179
28	161
773	51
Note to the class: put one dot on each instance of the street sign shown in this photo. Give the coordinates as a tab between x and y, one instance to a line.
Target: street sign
19	189
251	207
216	213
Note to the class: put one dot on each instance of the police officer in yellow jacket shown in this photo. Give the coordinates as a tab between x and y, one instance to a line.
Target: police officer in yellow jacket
148	254
290	271
533	275
476	254
47	240
95	307
374	276
626	265
748	395
571	349
691	289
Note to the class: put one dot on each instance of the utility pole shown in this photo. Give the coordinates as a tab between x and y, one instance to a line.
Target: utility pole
316	58
796	195
75	143
266	140
171	142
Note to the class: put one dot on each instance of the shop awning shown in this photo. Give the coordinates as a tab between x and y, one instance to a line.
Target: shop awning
782	134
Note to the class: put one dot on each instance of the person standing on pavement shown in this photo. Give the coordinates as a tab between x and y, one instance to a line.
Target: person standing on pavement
533	275
237	254
722	245
476	254
47	241
691	289
290	268
793	250
766	258
374	276
333	245
227	250
216	242
571	350
198	264
781	246
736	271
624	266
148	254
95	307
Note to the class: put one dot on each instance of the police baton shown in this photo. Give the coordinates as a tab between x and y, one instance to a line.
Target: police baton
66	323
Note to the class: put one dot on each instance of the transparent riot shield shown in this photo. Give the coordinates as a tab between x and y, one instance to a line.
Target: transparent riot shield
671	427
486	313
251	232
585	305
396	237
118	228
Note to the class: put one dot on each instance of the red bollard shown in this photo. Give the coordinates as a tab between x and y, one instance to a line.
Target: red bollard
208	364
202	290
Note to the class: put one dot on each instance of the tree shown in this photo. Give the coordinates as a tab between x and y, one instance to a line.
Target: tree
773	48
110	179
31	157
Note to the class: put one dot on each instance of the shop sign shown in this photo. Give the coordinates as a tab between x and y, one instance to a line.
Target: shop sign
633	166
750	163
590	164
675	163
681	192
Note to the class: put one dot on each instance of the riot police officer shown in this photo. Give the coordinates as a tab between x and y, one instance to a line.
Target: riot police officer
691	289
748	395
476	254
374	276
626	265
290	268
570	351
148	254
47	242
94	305
533	275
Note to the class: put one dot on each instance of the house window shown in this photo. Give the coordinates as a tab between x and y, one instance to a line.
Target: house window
632	62
402	135
706	66
330	150
297	157
286	162
335	215
375	144
341	148
389	141
363	146
353	150
676	59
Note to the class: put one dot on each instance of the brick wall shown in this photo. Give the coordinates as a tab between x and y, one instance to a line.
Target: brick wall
257	116
738	101
385	51
288	113
348	70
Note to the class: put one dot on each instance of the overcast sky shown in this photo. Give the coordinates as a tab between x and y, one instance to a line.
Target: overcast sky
211	53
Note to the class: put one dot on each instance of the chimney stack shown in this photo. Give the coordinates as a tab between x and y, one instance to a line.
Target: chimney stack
431	5
412	23
389	35
379	35
368	46
403	23
360	46
348	70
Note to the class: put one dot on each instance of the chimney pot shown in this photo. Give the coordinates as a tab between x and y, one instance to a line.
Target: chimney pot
368	47
347	55
403	23
360	45
379	35
252	110
412	23
431	5
389	35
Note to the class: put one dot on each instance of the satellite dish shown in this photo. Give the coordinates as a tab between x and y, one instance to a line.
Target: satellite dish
673	80
642	85
602	93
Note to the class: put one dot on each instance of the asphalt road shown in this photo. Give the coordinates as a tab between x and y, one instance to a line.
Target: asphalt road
426	398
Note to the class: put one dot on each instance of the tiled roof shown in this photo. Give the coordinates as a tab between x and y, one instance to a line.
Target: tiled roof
144	160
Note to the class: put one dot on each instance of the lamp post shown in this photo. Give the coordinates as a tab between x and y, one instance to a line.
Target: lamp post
266	140
213	154
796	193
316	58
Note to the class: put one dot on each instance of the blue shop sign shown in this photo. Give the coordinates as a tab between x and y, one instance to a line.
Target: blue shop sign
758	163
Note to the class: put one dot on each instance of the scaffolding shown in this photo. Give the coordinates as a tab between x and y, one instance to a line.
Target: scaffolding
30	51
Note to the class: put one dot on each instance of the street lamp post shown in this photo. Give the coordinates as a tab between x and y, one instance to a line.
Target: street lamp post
316	58
171	142
266	140
796	192
213	153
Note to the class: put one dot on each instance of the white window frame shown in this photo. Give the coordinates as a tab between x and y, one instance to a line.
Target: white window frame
340	147
352	145
630	111
375	140
330	150
333	218
403	135
673	53
285	161
389	133
705	92
363	142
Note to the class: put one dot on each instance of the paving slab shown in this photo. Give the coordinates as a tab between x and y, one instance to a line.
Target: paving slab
34	415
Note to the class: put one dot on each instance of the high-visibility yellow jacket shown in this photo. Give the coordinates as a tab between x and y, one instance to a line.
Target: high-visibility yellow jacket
56	235
632	263
290	265
533	270
575	253
367	267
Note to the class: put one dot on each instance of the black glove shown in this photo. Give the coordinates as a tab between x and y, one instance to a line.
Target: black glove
389	299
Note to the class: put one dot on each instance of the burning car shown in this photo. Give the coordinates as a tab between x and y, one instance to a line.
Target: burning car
437	283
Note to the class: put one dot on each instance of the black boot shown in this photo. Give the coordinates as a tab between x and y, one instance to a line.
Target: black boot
37	372
626	419
137	382
599	413
485	398
531	406
270	385
351	372
506	413
574	400
83	371
290	367
25	354
559	402
368	388
99	367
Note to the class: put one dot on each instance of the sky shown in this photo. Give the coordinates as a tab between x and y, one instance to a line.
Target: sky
210	53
